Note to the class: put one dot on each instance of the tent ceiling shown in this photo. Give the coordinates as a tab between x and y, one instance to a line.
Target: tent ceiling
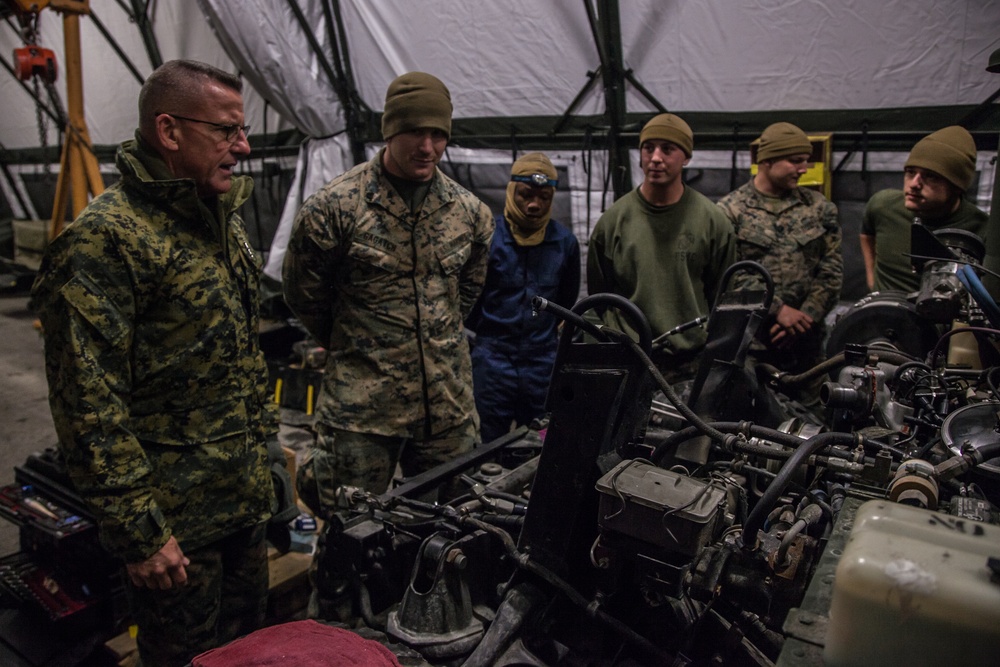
715	60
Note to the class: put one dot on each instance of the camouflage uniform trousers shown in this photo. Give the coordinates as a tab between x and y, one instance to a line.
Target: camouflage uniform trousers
225	597
344	458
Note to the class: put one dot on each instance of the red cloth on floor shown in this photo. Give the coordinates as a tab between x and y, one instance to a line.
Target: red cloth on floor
300	643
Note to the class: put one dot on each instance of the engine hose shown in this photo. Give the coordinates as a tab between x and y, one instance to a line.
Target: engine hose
758	471
925	450
990	450
827	509
604	299
761	450
704	427
524	561
957	465
781	380
774	490
503	520
805	517
787	439
838	493
781	557
365	605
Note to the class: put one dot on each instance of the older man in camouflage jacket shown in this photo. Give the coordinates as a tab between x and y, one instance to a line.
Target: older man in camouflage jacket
149	307
793	232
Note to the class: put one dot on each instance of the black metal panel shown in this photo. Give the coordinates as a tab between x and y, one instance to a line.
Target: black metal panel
599	400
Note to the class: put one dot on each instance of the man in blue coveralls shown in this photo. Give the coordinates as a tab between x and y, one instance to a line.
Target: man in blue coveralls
530	255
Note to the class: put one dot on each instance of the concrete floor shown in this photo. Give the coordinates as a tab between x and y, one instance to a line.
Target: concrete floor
25	421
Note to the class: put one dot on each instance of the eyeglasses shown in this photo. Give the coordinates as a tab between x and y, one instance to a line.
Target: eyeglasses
232	131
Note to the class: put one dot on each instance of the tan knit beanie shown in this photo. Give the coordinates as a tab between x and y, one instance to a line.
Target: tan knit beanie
414	101
534	163
950	152
780	140
668	127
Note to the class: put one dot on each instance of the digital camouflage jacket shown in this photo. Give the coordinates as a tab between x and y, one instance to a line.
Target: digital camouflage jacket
149	308
386	292
797	239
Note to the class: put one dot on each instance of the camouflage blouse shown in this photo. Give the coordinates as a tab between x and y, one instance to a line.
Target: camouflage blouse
386	291
149	308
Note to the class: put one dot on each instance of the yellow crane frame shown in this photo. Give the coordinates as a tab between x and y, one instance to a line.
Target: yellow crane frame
79	173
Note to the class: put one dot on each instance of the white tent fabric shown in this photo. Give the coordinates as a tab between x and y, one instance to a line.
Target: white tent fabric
270	48
532	57
504	58
319	161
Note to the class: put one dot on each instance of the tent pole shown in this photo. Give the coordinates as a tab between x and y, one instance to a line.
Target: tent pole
609	23
992	259
140	16
116	48
591	80
345	78
357	147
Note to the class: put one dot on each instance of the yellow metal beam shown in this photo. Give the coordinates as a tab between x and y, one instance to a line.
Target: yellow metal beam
79	173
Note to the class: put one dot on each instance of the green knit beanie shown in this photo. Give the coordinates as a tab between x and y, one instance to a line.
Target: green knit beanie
950	152
415	101
781	140
668	127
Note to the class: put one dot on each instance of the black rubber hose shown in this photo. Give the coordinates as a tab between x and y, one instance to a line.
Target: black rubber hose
781	380
774	490
762	432
752	267
605	300
989	451
699	423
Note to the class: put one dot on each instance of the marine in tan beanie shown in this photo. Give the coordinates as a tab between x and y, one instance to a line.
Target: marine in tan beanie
950	152
665	146
669	127
416	100
939	169
782	158
793	233
528	207
416	124
782	139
